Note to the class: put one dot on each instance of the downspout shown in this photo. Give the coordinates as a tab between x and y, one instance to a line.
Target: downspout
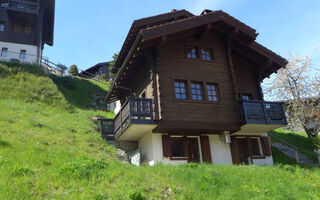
123	66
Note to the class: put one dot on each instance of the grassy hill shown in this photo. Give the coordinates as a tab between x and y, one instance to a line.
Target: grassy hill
50	149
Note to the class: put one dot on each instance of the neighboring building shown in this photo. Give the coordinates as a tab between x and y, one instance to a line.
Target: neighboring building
190	90
25	27
96	71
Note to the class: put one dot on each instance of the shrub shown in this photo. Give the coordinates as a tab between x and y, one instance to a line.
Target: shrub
73	70
104	77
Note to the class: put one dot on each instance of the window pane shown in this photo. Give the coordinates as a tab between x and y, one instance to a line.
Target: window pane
180	89
192	52
197	92
177	147
206	54
2	27
212	92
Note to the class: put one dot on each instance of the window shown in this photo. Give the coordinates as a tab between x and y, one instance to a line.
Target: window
246	97
180	89
23	54
17	29
197	91
192	52
4	52
212	92
2	27
177	147
255	146
27	30
4	3
206	54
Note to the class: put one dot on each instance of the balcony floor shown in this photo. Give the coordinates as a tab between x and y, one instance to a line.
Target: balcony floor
135	131
257	128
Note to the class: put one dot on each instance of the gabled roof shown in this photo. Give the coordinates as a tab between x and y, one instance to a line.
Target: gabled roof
143	23
93	68
148	32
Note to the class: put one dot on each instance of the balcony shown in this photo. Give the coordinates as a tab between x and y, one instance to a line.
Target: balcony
19	5
262	116
134	119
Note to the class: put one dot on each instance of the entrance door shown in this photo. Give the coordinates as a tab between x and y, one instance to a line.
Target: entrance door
243	150
193	150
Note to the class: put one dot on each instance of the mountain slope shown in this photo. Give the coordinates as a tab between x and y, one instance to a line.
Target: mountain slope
50	149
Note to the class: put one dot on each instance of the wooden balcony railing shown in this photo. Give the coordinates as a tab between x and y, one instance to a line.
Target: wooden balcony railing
134	111
262	112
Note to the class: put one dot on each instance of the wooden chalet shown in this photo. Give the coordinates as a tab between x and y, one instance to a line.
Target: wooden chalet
190	90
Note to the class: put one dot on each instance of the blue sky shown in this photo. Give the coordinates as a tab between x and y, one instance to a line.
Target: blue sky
91	32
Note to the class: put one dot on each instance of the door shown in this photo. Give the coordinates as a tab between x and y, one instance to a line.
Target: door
243	150
193	150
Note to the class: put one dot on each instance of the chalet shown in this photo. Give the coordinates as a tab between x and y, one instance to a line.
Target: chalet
96	71
190	90
25	27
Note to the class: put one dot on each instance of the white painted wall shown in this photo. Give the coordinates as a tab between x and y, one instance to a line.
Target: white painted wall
220	151
14	52
117	107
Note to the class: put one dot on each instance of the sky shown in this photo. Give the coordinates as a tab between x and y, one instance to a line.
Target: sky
90	32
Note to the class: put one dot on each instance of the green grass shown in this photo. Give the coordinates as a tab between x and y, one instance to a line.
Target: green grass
50	149
298	139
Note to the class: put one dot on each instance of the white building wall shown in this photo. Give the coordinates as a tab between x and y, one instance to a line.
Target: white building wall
117	107
220	151
152	153
14	52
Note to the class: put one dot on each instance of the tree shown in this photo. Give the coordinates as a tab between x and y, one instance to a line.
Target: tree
111	65
73	70
104	77
299	86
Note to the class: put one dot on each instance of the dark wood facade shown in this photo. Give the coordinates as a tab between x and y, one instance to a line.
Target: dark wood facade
154	57
34	21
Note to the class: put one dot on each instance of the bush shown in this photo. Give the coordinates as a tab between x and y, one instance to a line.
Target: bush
104	77
73	70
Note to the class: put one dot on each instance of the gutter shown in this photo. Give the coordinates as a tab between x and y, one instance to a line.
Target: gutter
123	66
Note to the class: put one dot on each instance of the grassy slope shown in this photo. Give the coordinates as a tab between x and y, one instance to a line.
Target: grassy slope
300	140
51	150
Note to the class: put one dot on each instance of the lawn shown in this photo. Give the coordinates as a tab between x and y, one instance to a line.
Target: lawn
298	139
50	149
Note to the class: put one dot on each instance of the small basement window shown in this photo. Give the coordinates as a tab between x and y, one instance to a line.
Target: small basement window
177	147
206	54
4	52
23	54
197	91
192	52
180	88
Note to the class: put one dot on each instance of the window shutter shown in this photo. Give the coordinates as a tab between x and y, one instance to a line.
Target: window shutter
235	151
205	147
265	145
166	146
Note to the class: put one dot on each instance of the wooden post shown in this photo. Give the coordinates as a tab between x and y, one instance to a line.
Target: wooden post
296	153
318	158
